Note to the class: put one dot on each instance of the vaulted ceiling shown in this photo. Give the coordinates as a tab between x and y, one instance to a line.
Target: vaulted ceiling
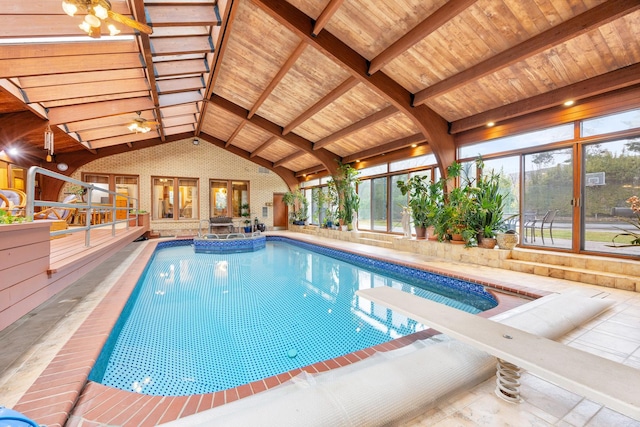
294	85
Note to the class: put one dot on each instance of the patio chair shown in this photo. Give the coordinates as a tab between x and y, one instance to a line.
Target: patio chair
16	201
58	213
529	225
547	221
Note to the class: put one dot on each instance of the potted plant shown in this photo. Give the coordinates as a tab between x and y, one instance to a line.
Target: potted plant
245	212
298	206
79	191
343	185
425	201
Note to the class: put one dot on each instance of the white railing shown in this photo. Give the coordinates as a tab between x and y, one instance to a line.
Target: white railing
88	208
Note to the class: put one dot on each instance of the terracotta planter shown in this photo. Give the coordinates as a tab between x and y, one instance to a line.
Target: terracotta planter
421	233
487	243
143	220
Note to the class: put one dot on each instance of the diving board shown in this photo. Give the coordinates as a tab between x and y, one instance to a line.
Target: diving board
612	384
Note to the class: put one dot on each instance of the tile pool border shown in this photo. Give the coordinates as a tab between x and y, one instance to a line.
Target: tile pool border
63	396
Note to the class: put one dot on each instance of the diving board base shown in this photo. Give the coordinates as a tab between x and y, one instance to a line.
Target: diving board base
612	384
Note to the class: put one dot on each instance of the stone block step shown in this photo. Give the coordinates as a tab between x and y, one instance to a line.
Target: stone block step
375	242
626	267
594	277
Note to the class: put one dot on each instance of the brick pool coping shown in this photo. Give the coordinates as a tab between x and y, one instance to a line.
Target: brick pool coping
62	395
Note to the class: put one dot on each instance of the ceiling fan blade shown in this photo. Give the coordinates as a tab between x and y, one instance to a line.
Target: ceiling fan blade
144	28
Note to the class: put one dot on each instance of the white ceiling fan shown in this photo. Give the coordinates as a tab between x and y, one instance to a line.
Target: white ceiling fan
140	124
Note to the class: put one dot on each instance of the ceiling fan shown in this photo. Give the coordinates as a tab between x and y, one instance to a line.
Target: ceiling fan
98	11
140	124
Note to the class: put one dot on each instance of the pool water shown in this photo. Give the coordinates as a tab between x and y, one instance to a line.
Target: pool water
198	323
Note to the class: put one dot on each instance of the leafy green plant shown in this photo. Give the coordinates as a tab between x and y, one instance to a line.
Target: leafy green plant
298	205
634	201
425	199
245	212
7	218
343	184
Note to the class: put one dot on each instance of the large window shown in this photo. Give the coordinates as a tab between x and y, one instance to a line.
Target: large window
381	201
175	198
227	197
126	186
515	142
548	196
611	177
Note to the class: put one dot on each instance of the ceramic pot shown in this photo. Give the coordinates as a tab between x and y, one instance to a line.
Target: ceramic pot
421	233
487	243
507	241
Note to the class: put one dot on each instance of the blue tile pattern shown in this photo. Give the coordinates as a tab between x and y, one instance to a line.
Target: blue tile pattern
441	283
198	323
225	246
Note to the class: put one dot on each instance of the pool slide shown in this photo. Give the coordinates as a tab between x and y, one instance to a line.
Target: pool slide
390	387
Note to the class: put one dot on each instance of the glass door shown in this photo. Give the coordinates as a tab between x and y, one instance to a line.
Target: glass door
546	217
611	177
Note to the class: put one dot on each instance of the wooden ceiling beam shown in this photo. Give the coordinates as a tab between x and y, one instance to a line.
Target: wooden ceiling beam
288	158
336	93
160	15
278	77
433	126
74	113
71	91
434	21
264	146
570	29
287	175
227	10
147	53
325	16
311	170
385	148
10	68
366	122
327	158
235	133
610	81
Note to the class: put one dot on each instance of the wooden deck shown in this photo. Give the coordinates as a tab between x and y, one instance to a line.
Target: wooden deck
69	253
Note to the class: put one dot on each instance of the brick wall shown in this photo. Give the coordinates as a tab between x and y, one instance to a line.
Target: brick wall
185	160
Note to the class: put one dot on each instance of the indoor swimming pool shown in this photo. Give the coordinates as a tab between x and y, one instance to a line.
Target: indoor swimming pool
200	322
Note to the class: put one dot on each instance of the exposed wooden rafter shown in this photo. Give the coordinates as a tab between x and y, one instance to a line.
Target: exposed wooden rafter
287	159
385	148
326	15
326	100
367	121
276	80
587	21
613	80
264	146
235	134
419	32
324	156
432	125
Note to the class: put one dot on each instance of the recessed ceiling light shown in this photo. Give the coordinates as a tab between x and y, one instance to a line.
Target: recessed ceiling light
62	166
414	145
569	103
490	124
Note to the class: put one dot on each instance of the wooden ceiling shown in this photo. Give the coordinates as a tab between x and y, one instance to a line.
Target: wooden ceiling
294	85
